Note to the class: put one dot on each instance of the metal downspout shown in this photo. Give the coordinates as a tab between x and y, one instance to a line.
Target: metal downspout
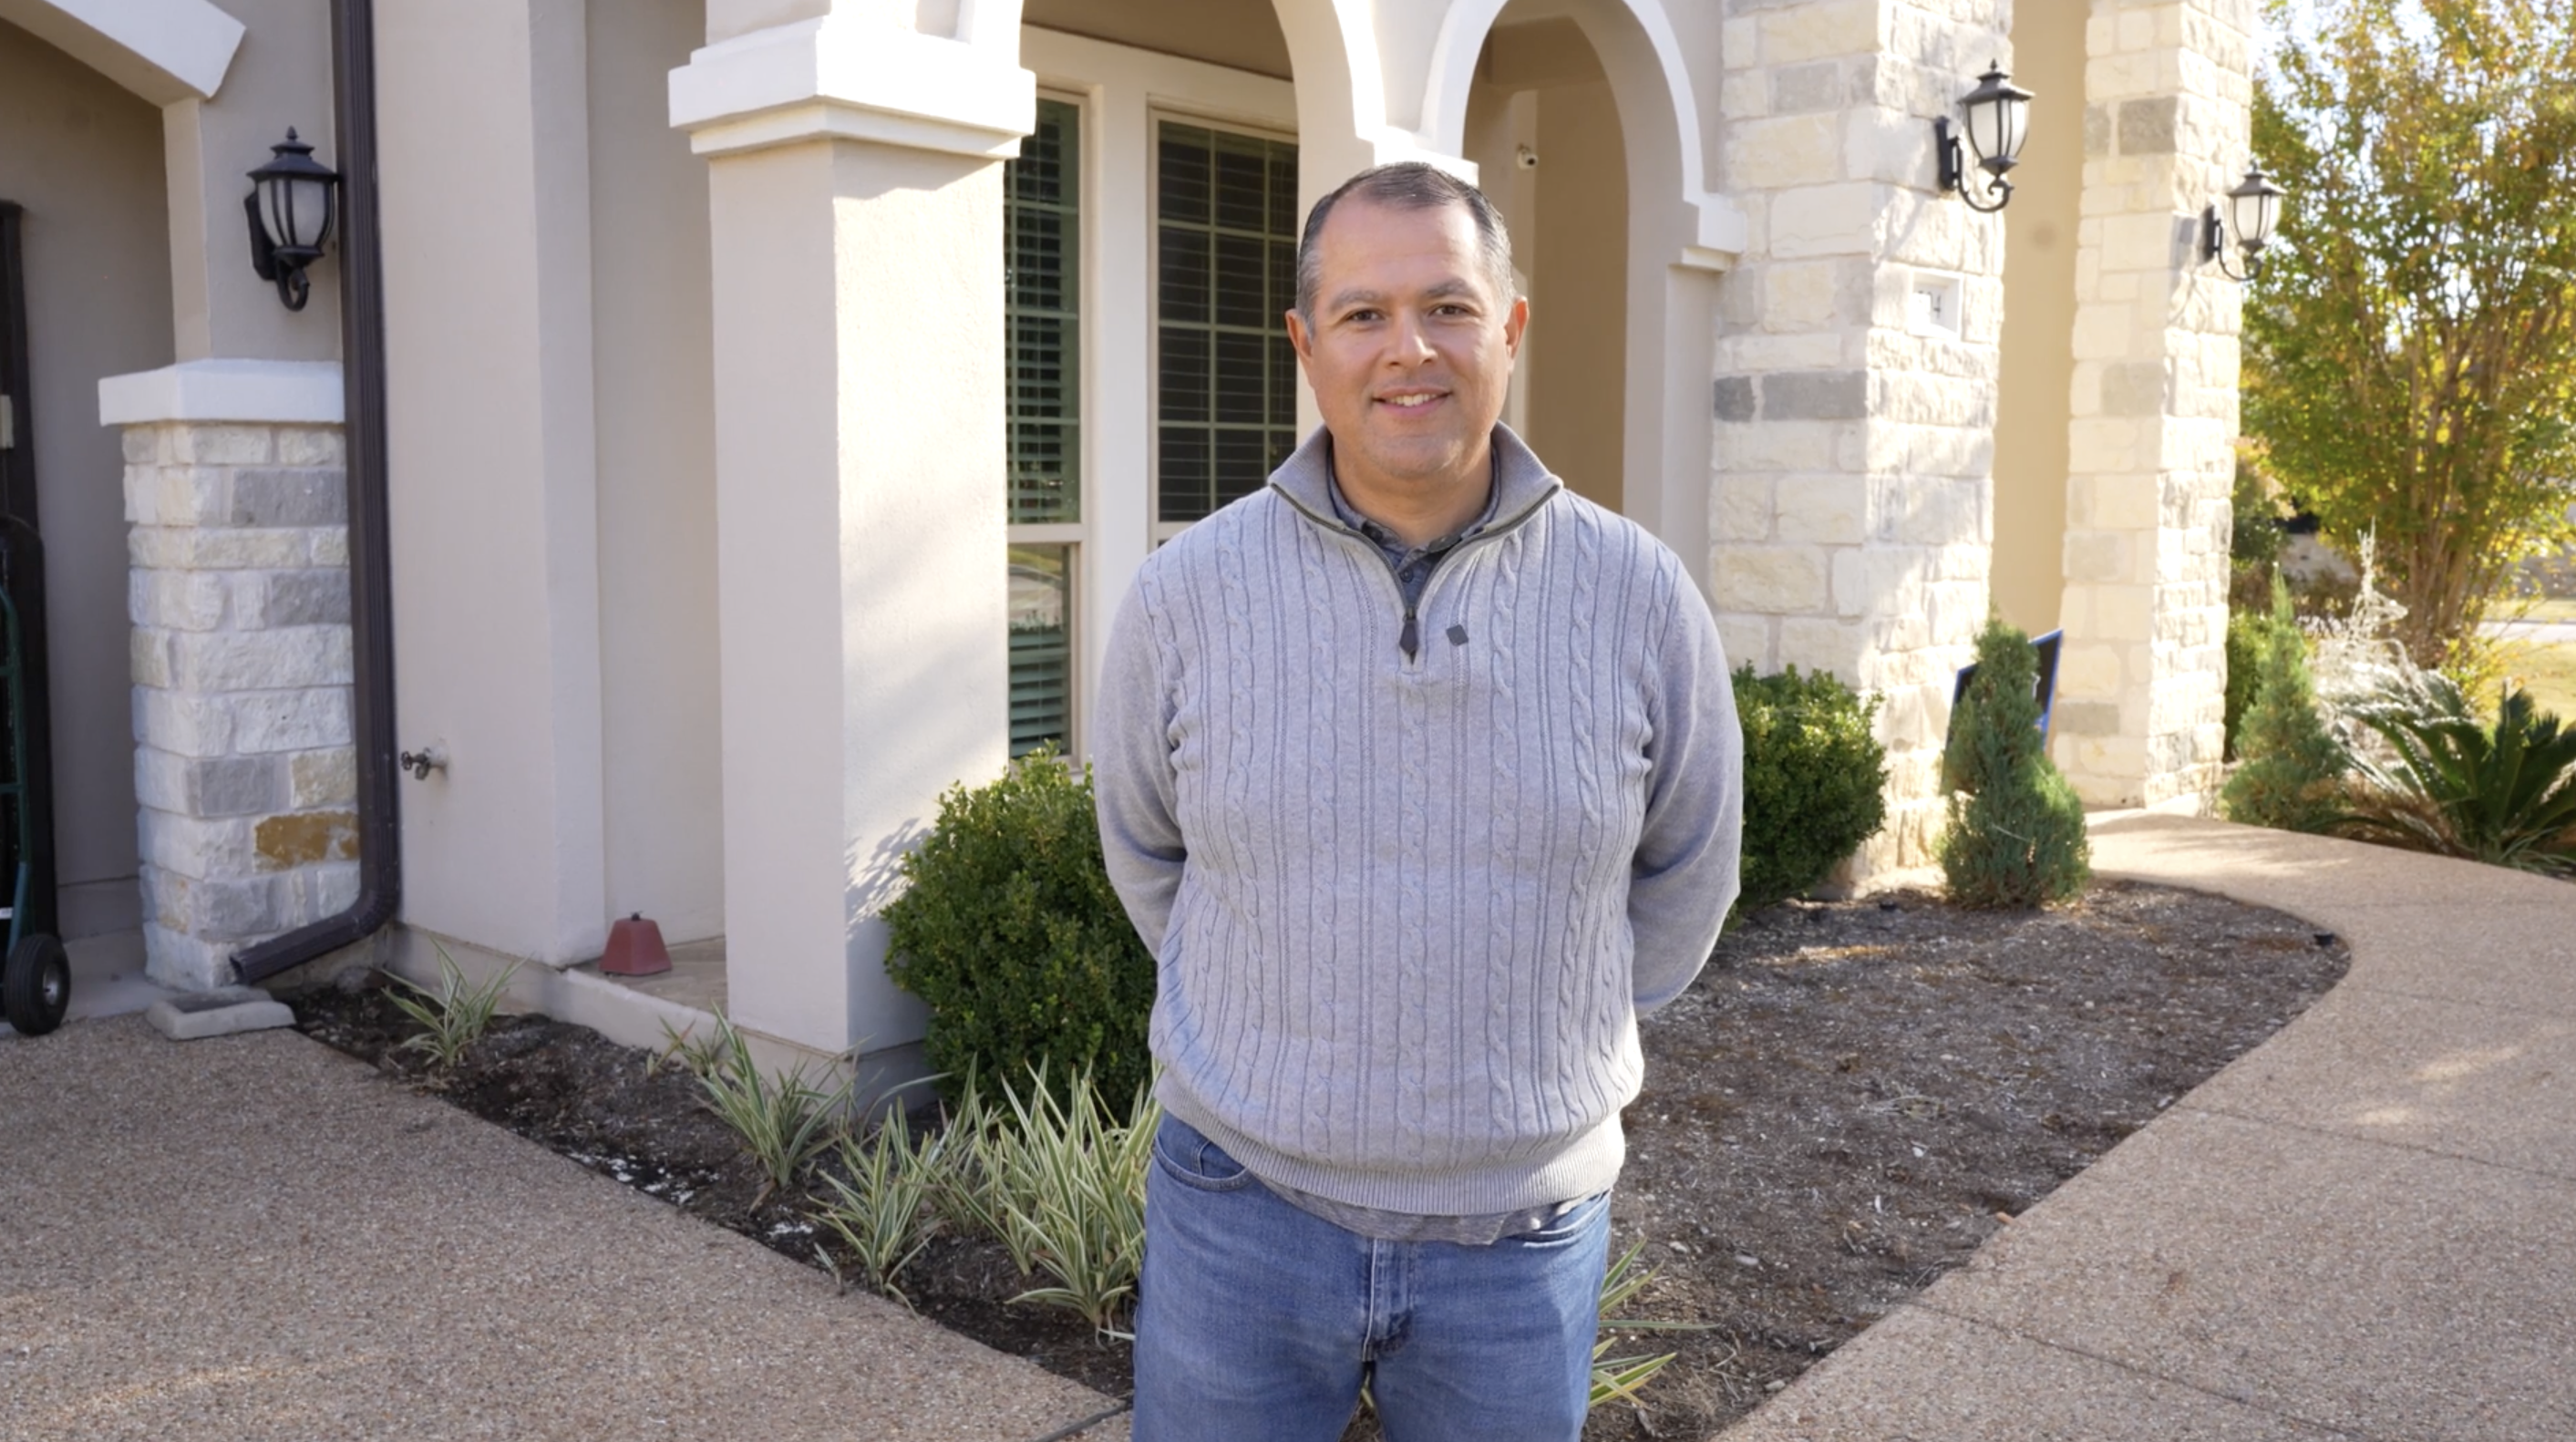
371	610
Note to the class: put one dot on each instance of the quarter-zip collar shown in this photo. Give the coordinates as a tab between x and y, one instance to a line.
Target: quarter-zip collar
1520	487
1521	483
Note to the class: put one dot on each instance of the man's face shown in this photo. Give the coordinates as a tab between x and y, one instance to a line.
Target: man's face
1410	354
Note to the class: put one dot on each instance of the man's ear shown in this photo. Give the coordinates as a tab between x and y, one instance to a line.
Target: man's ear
1515	323
1304	341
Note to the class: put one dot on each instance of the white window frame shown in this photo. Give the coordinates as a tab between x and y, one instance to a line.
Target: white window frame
1124	92
1073	534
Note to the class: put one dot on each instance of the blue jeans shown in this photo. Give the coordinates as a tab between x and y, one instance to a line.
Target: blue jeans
1257	1321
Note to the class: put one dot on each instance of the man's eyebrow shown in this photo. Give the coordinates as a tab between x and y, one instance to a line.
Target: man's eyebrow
1445	290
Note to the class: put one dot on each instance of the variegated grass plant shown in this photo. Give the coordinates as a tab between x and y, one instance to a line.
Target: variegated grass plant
1059	1180
1064	1188
454	1014
697	1055
785	1119
1618	1378
883	1198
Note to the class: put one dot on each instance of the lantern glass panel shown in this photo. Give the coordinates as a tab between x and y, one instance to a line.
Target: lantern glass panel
1986	129
2014	121
299	212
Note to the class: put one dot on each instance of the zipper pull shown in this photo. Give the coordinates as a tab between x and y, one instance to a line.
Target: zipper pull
1411	640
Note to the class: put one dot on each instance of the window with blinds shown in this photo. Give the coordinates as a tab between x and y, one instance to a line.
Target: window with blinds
1041	222
1041	228
1226	236
1041	647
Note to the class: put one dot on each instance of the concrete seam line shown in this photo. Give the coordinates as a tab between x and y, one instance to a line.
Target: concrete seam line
2132	1369
1076	1429
2418	1148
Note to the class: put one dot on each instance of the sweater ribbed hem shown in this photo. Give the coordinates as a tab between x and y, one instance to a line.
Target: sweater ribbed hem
1588	1164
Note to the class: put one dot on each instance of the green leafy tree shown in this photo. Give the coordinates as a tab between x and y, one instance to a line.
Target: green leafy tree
2291	766
2016	834
2410	359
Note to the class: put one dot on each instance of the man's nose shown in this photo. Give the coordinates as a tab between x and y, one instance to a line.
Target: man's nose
1412	340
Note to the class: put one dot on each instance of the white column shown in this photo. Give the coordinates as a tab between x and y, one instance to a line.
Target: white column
855	185
2151	445
493	475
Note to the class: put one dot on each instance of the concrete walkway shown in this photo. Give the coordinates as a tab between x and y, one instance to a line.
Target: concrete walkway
257	1238
2364	1228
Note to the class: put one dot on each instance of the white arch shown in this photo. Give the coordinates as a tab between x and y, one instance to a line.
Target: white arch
1339	61
163	50
1713	228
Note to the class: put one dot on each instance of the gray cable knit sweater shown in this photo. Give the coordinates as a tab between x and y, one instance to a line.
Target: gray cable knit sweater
1406	911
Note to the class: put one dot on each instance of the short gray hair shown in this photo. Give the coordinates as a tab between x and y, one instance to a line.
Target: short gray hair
1409	185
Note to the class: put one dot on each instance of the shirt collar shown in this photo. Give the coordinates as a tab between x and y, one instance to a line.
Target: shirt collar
1521	483
1387	540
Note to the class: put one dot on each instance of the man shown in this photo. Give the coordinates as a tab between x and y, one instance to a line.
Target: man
1420	776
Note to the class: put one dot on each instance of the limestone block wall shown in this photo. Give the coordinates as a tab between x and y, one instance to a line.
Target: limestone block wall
1855	416
243	763
2151	442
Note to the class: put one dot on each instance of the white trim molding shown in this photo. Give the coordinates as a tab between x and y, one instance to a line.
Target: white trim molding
250	392
846	78
1713	228
163	50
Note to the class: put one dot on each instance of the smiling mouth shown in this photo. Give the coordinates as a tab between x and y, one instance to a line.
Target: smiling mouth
1411	402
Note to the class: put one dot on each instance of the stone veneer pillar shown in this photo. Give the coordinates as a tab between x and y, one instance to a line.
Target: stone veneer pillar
1855	437
2151	443
243	766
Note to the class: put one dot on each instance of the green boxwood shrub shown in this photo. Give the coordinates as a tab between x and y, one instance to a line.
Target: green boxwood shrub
2016	834
1010	931
1815	780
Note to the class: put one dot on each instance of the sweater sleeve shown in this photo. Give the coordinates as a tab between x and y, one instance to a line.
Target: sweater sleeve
1685	875
1131	759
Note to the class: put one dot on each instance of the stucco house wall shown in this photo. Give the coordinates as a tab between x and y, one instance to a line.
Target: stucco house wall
695	330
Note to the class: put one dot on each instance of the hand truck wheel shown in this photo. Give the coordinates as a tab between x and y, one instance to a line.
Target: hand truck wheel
36	985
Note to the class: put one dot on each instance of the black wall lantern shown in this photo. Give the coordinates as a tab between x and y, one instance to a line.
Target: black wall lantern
1998	121
2253	208
291	206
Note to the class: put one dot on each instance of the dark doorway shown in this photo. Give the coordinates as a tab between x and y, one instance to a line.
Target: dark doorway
22	572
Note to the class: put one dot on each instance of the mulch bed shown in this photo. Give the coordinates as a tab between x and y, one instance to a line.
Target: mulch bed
1851	1098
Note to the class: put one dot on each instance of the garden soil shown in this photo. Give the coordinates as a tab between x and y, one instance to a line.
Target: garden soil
1851	1098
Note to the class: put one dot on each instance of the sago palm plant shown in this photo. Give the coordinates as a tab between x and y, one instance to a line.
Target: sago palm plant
2504	795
